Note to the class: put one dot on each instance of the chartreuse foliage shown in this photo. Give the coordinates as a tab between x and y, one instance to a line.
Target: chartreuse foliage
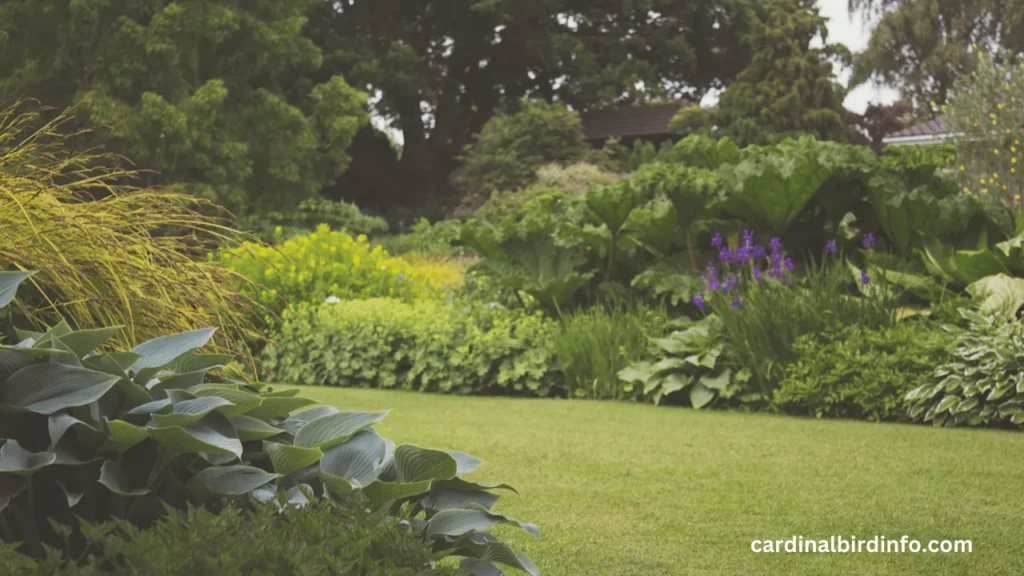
324	263
426	346
106	253
983	382
117	434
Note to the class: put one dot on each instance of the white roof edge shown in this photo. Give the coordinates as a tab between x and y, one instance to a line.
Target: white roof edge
921	139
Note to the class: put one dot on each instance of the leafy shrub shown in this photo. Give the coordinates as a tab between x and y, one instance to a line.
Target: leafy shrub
690	361
513	203
323	263
983	382
106	253
312	212
318	538
444	274
121	434
594	345
435	239
425	346
511	147
860	372
575	178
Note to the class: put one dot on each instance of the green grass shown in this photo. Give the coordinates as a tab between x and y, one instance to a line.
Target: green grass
620	488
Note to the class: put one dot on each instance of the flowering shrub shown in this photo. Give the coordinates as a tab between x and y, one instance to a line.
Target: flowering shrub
765	307
325	263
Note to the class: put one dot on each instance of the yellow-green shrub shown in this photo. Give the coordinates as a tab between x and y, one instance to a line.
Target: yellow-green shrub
105	253
322	264
444	274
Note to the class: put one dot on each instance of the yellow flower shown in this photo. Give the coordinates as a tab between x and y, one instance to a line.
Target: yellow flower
1016	196
995	151
982	180
995	176
361	238
1013	160
984	190
962	168
278	230
999	105
355	259
1013	149
967	190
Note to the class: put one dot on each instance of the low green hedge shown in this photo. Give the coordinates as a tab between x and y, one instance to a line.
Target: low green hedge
426	346
859	372
318	539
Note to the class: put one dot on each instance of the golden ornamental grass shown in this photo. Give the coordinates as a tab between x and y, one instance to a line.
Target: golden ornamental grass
107	253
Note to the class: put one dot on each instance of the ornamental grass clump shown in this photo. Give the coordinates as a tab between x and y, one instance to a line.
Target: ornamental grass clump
765	306
106	253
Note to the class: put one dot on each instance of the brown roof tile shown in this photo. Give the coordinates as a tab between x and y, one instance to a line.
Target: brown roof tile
630	121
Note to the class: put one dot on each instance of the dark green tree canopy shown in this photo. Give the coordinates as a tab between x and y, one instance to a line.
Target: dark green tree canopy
442	68
213	95
920	47
788	89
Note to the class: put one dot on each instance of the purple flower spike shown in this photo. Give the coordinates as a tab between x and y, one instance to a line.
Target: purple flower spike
869	241
831	245
757	274
736	303
698	301
716	240
714	284
776	244
730	283
864	278
757	252
725	255
748	238
789	264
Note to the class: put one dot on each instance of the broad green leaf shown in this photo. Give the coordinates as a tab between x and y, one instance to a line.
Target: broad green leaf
189	411
114	478
176	382
9	282
49	388
459	522
156	406
466	463
719	382
462	485
11	361
83	342
675	382
500	553
353	464
59	424
416	464
636	372
973	265
195	362
700	396
229	480
1001	295
611	204
73	498
286	459
381	492
335	428
214	433
241	402
249	429
278	406
163	350
20	462
122	436
442	499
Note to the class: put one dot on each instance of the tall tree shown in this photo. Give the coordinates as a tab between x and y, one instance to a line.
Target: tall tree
212	95
920	47
788	88
442	68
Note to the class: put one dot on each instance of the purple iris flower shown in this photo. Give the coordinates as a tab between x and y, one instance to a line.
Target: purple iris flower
757	274
736	303
748	237
730	283
714	284
725	255
831	245
698	301
864	278
789	264
869	241
776	244
757	252
716	240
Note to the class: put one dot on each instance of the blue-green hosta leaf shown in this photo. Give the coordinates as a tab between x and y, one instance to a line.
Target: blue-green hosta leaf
20	462
59	424
466	463
49	388
229	481
163	350
286	459
249	429
175	382
637	372
121	436
241	402
278	406
10	362
189	411
353	464
82	342
674	382
73	498
700	396
500	553
9	282
214	433
10	487
416	464
381	492
446	499
333	429
462	485
154	407
196	362
459	522
300	419
114	478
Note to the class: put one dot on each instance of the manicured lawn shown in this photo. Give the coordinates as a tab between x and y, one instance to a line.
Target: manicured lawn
623	489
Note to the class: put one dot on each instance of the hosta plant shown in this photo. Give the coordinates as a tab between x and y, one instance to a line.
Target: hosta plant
983	383
689	361
90	433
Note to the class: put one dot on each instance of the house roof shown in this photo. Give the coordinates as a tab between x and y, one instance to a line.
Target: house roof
924	133
630	121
